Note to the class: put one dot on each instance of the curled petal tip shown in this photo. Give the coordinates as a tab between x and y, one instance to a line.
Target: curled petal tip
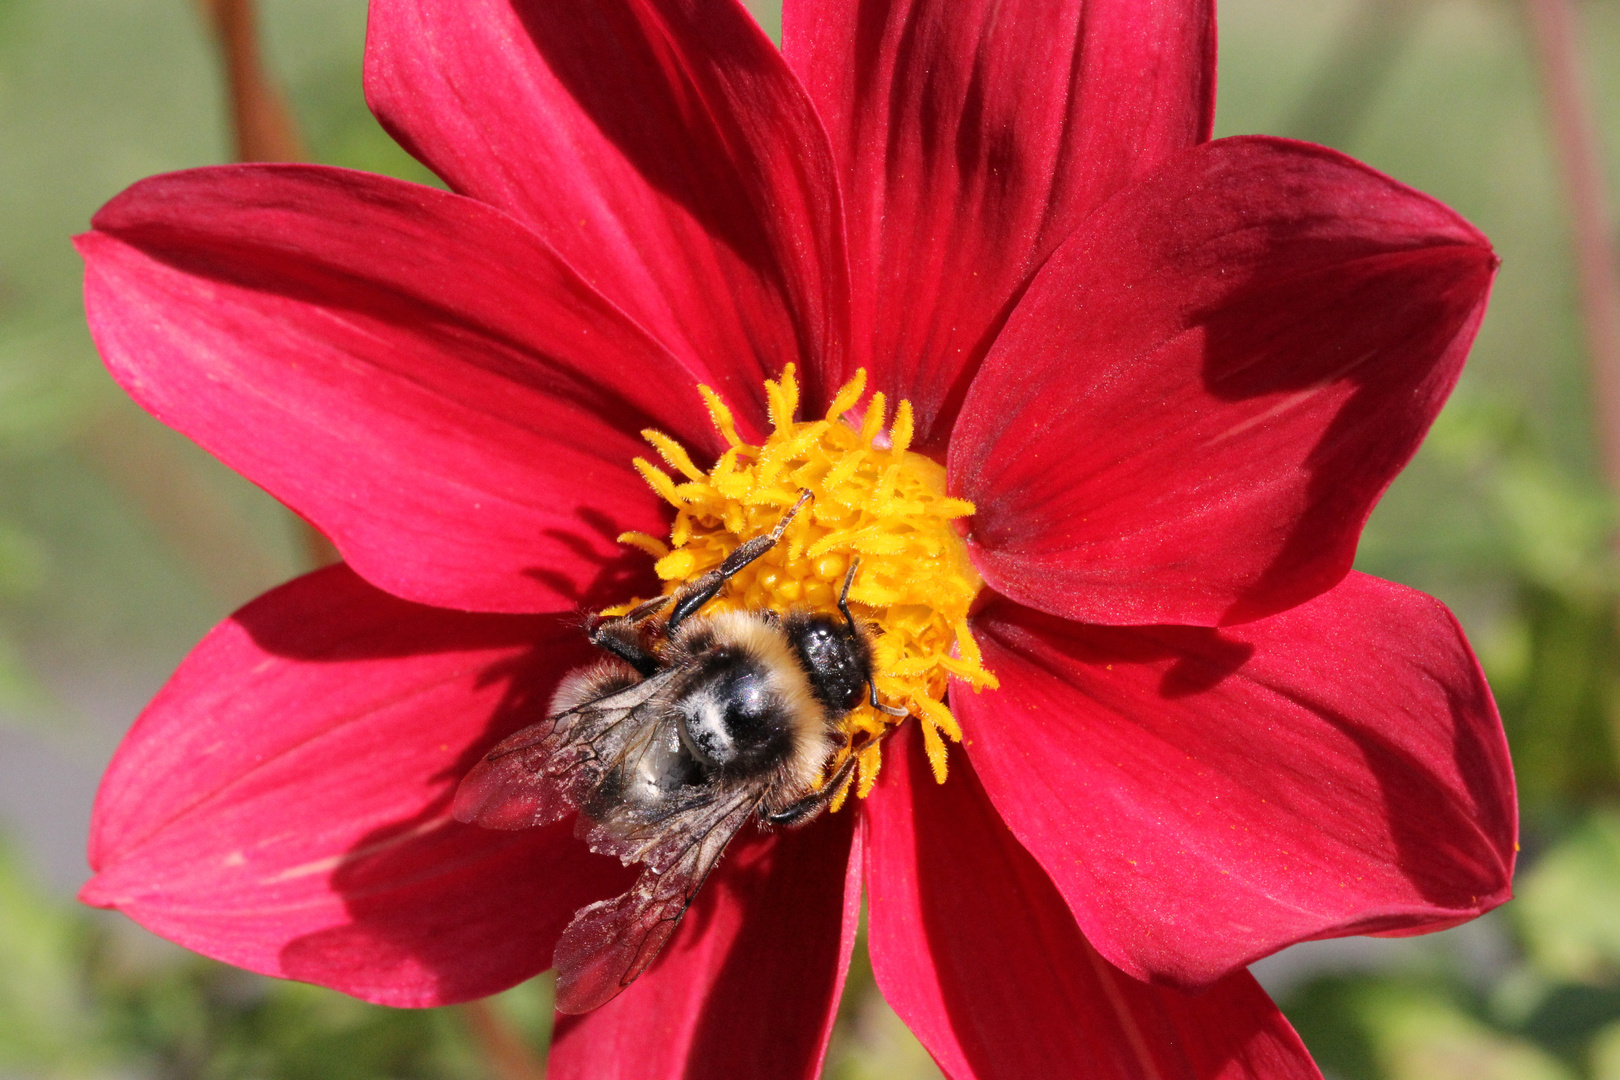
94	893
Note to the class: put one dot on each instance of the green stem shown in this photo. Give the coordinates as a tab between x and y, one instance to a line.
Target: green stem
1558	50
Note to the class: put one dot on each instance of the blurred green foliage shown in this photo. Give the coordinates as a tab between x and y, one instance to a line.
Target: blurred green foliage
120	543
1566	905
83	995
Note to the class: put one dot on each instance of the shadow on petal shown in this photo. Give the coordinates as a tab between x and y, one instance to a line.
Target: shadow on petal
977	951
1348	775
452	911
1194	407
749	984
1371	349
677	153
439	911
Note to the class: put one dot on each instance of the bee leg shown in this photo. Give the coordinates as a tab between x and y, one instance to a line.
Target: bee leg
843	606
706	588
843	595
812	804
644	609
619	637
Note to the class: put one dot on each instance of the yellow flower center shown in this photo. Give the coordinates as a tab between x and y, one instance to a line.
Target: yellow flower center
873	500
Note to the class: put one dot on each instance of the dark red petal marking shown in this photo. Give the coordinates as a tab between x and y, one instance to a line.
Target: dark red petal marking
976	951
1203	798
1194	408
283	804
971	137
662	146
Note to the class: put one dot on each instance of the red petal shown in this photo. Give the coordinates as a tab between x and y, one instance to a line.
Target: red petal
661	145
283	804
972	136
416	373
978	954
1203	798
1202	395
749	985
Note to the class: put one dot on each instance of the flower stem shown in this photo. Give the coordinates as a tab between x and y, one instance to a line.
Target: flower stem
262	129
1558	51
261	123
506	1055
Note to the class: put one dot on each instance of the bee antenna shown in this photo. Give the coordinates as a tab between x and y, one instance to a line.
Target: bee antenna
843	595
805	495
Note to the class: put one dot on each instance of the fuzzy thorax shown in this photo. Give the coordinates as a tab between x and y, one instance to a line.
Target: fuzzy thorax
872	499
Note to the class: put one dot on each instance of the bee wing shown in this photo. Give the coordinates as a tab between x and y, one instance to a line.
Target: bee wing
612	941
548	770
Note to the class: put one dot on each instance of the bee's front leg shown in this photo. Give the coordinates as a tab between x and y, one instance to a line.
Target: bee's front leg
700	591
621	636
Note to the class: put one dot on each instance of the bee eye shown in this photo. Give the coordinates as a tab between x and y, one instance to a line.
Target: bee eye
728	715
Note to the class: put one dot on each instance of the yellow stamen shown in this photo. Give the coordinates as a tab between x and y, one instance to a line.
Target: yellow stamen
673	453
720	415
660	481
873	500
873	424
846	398
900	434
641	541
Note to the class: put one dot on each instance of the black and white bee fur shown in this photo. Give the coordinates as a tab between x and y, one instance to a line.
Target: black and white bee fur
691	726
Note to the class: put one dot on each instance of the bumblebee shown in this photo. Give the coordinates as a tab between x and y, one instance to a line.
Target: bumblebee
690	727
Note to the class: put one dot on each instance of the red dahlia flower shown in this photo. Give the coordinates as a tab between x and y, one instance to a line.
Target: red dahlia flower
1171	377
